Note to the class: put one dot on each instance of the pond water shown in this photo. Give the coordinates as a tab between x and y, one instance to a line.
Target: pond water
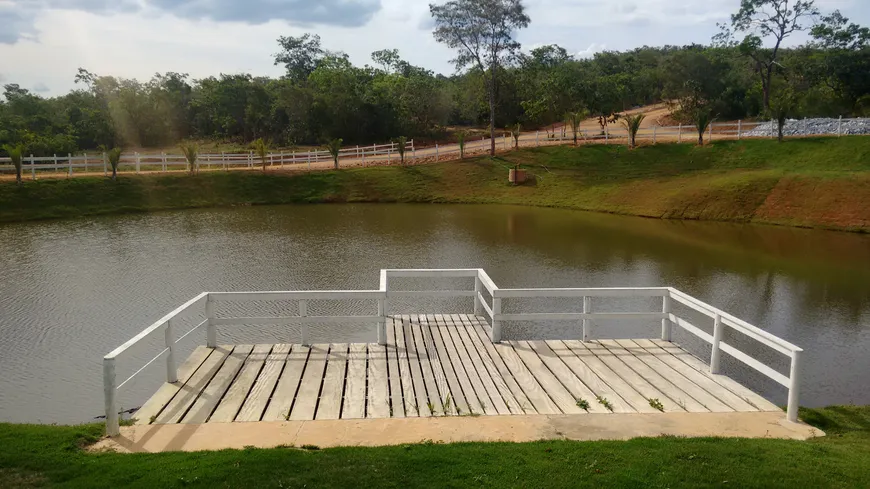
73	290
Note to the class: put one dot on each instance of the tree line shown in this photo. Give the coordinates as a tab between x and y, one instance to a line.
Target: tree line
322	96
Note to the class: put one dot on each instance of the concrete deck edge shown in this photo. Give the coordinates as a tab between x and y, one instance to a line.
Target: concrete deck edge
397	431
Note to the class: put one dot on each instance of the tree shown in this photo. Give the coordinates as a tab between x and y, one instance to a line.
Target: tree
300	55
760	19
574	119
334	148
631	123
460	138
482	33
835	32
114	157
401	141
516	131
190	152
14	153
702	119
262	149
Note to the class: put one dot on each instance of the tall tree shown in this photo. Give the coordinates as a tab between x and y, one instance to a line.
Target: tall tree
766	19
482	33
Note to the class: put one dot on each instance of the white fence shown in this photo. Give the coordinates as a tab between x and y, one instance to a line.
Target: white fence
492	309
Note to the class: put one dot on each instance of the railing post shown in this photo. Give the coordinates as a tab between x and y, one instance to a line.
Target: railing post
716	353
382	323
794	387
666	322
303	313
840	127
33	166
495	335
137	162
537	134
739	128
478	286
211	331
112	427
69	163
169	336
587	308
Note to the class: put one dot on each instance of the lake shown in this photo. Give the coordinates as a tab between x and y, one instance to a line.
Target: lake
73	290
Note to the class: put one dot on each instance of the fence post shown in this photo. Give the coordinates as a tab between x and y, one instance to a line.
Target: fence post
606	136
654	134
112	427
309	160
587	309
680	134
840	127
69	163
666	322
224	161
211	331
169	337
794	380
137	162
86	163
208	162
55	163
537	134
382	324
303	313
478	286
250	159
413	151
105	165
739	128
436	152
716	353
495	335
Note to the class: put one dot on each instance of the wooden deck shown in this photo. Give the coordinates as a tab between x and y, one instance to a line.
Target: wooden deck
441	365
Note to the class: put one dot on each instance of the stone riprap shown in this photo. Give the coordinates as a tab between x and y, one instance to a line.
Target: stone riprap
813	127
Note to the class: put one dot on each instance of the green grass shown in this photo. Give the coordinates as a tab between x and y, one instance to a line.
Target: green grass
36	456
814	182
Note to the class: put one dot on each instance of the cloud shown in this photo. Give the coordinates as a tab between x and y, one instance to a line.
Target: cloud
40	87
591	50
346	13
18	16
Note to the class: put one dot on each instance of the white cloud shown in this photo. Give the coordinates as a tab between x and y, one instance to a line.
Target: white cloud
590	50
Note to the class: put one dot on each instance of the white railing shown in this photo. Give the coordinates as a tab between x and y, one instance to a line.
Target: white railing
492	309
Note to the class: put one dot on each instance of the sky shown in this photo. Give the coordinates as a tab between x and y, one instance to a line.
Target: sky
44	42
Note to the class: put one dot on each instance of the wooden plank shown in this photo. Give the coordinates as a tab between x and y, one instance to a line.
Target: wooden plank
407	338
557	392
609	377
566	377
397	403
447	406
436	400
473	402
408	393
355	387
378	383
476	329
308	393
528	383
691	360
591	379
458	402
177	408
660	376
259	396
285	391
486	404
464	325
212	394
154	405
238	392
703	382
333	383
622	375
488	383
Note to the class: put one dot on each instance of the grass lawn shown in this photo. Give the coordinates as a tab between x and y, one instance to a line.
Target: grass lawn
36	456
813	182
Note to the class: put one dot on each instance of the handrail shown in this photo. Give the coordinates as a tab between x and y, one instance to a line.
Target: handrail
482	282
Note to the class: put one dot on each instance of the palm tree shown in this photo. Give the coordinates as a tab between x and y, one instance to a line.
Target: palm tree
515	134
334	148
15	155
631	123
703	119
401	142
460	138
574	119
190	151
262	149
114	157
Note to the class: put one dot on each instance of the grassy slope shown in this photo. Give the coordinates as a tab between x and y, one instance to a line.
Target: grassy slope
32	455
822	182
